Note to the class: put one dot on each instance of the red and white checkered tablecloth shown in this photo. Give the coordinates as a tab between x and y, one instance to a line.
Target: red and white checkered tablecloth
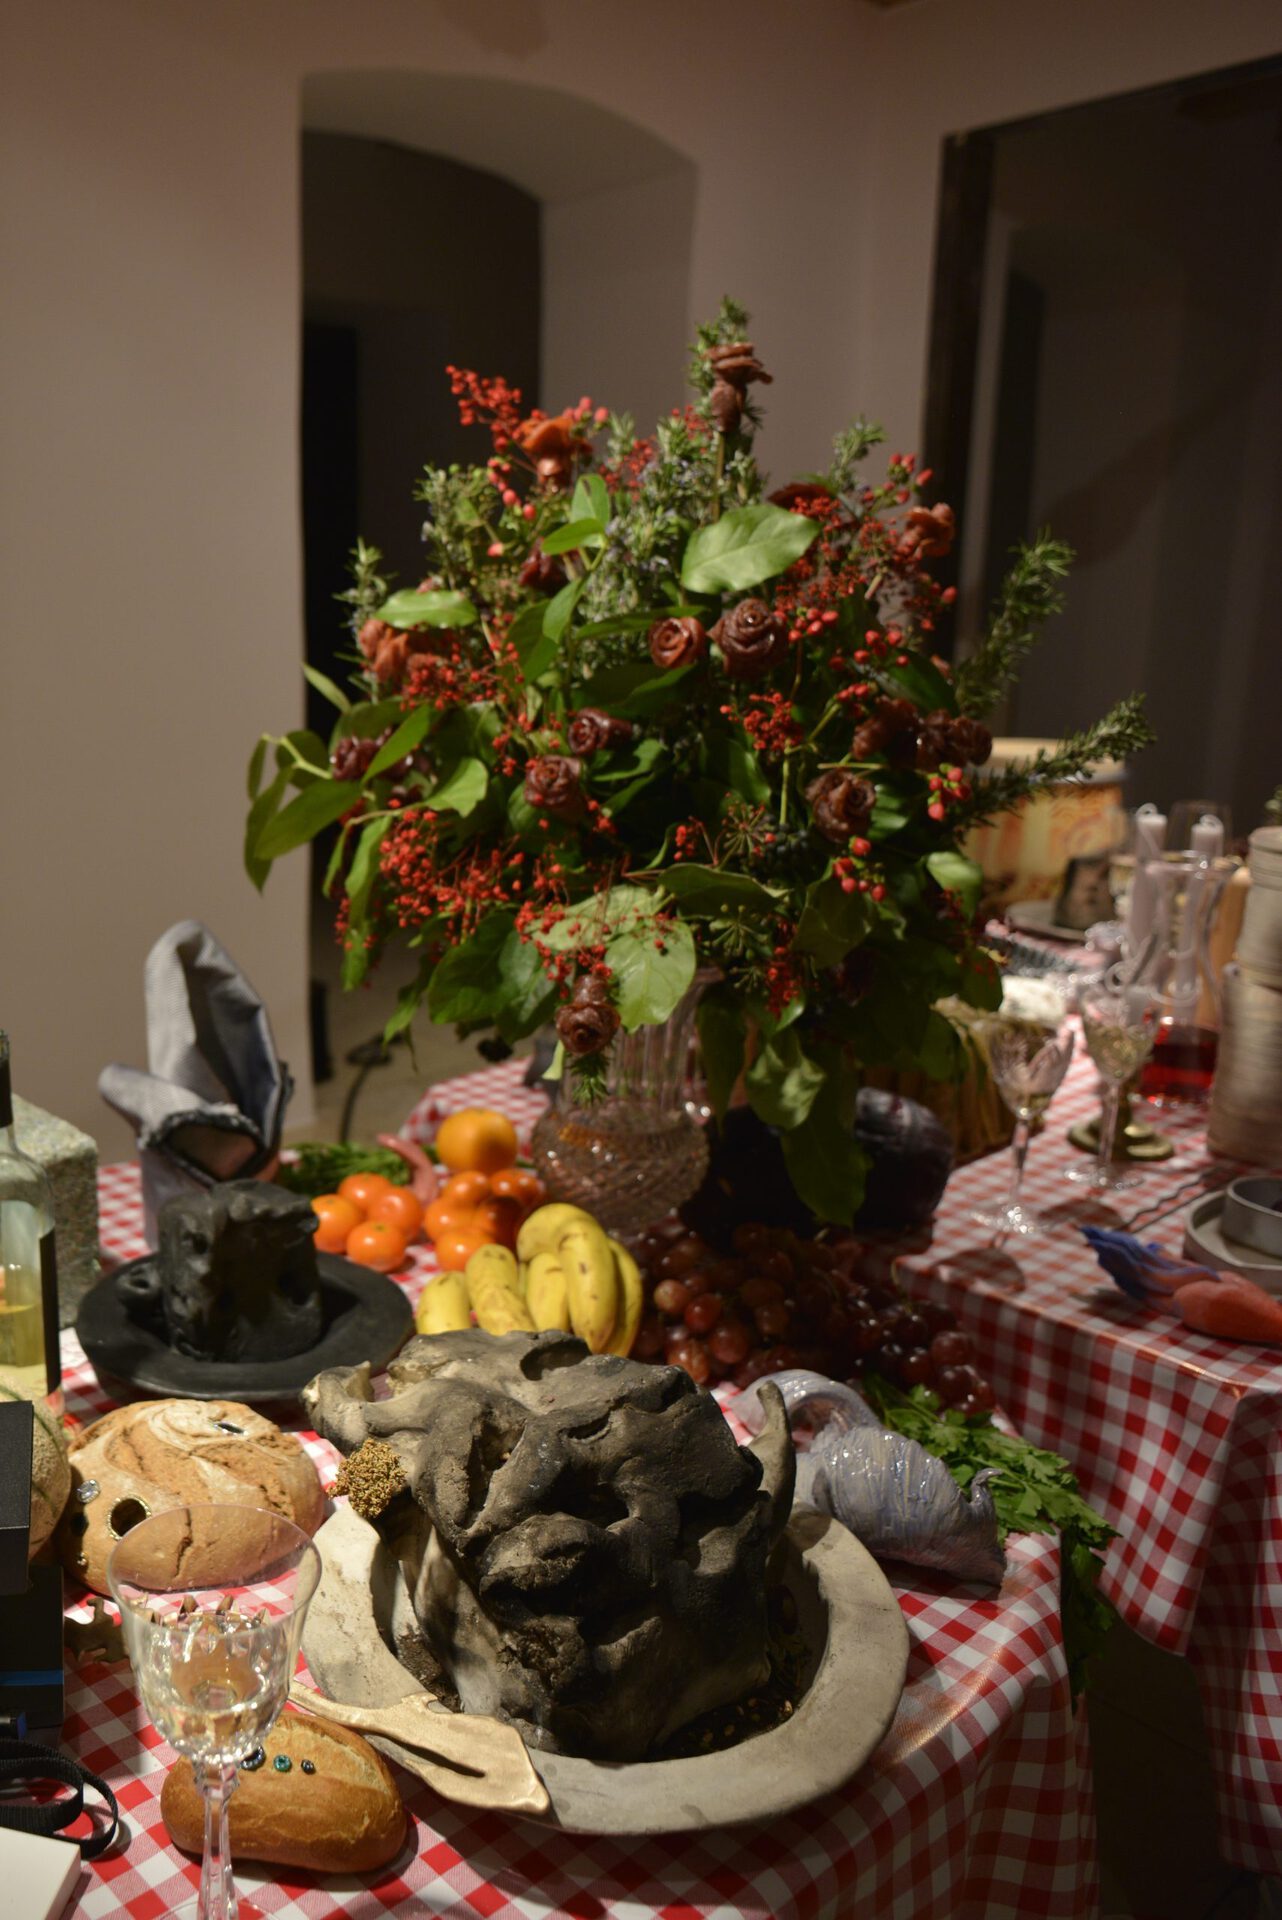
977	1805
1176	1437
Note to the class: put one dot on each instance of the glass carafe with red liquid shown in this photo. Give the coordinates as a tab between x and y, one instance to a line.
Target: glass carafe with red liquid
1187	887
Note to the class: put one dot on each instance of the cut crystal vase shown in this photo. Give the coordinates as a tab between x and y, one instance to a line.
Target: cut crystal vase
638	1151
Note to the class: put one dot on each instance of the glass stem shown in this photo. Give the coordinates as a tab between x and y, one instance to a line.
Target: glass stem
217	1889
1019	1154
1107	1131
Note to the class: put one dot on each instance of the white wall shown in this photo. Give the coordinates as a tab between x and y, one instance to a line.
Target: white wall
149	354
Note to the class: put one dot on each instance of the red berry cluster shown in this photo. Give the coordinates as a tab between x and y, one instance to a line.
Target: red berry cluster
778	1301
947	788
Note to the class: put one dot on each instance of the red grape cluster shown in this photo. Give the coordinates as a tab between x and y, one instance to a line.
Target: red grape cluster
778	1301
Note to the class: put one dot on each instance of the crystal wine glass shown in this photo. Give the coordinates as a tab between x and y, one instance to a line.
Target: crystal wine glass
1118	1026
212	1600
1028	1059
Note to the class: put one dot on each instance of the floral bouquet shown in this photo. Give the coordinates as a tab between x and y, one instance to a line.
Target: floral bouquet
643	718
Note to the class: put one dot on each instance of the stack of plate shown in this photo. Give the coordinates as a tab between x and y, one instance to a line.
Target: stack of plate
1240	1230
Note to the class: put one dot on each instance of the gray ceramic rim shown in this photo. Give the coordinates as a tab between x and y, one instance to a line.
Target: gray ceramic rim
839	1723
1204	1242
1249	1219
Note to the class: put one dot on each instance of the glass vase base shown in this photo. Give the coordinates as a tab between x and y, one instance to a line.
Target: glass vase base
627	1165
1014	1219
1116	1180
240	1909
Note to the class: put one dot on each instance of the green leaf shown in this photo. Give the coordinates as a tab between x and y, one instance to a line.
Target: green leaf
889	815
652	972
326	687
713	891
640	756
956	874
361	876
526	995
601	917
315	808
722	1040
302	754
367	719
434	607
744	547
462	986
981	981
257	760
783	1081
574	535
263	810
560	608
462	789
923	683
824	1161
535	648
634	688
831	922
638	622
411	733
591	500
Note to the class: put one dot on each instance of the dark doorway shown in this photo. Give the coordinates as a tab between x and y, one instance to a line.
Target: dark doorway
1108	297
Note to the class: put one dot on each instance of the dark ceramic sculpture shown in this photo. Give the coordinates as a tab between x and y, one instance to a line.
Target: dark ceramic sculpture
584	1543
235	1275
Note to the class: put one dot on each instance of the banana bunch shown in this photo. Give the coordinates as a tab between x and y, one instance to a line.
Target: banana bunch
566	1273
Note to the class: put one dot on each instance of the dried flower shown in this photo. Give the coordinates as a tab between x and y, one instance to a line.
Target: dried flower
678	642
553	447
591	1020
930	531
935	739
735	367
751	639
541	571
553	784
591	730
841	803
891	732
972	742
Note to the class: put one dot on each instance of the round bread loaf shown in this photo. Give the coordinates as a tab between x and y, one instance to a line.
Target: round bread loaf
319	1798
50	1472
159	1454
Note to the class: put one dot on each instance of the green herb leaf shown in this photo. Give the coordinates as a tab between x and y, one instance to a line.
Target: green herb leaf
560	609
574	535
257	760
263	810
923	683
652	972
411	733
434	607
591	500
783	1082
326	687
535	648
744	547
315	808
360	882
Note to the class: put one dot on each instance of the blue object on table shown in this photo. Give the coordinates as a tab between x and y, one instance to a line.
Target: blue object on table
1145	1273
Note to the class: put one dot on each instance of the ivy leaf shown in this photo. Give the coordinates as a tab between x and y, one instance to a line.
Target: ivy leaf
263	810
649	982
831	922
783	1081
462	789
574	535
326	687
433	607
923	683
462	984
315	808
744	547
713	890
411	733
722	1043
956	874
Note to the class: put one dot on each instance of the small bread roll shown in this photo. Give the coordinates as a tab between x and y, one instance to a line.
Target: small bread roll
333	1808
158	1454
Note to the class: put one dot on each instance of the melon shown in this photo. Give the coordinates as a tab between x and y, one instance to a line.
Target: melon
50	1467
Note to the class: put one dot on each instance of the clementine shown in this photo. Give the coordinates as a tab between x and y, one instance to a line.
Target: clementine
477	1140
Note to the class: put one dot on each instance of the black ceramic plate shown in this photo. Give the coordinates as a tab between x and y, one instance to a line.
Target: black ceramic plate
367	1318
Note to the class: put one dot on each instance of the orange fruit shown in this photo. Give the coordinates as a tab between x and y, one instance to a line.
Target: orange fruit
363	1189
467	1189
497	1219
477	1140
521	1184
401	1209
455	1248
337	1217
446	1216
377	1244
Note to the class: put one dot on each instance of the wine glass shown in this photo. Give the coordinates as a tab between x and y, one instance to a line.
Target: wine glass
1118	1027
1027	1059
212	1600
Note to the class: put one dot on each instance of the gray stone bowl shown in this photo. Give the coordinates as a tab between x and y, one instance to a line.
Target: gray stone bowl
848	1616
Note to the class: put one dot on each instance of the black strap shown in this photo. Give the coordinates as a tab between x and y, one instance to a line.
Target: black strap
25	1761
